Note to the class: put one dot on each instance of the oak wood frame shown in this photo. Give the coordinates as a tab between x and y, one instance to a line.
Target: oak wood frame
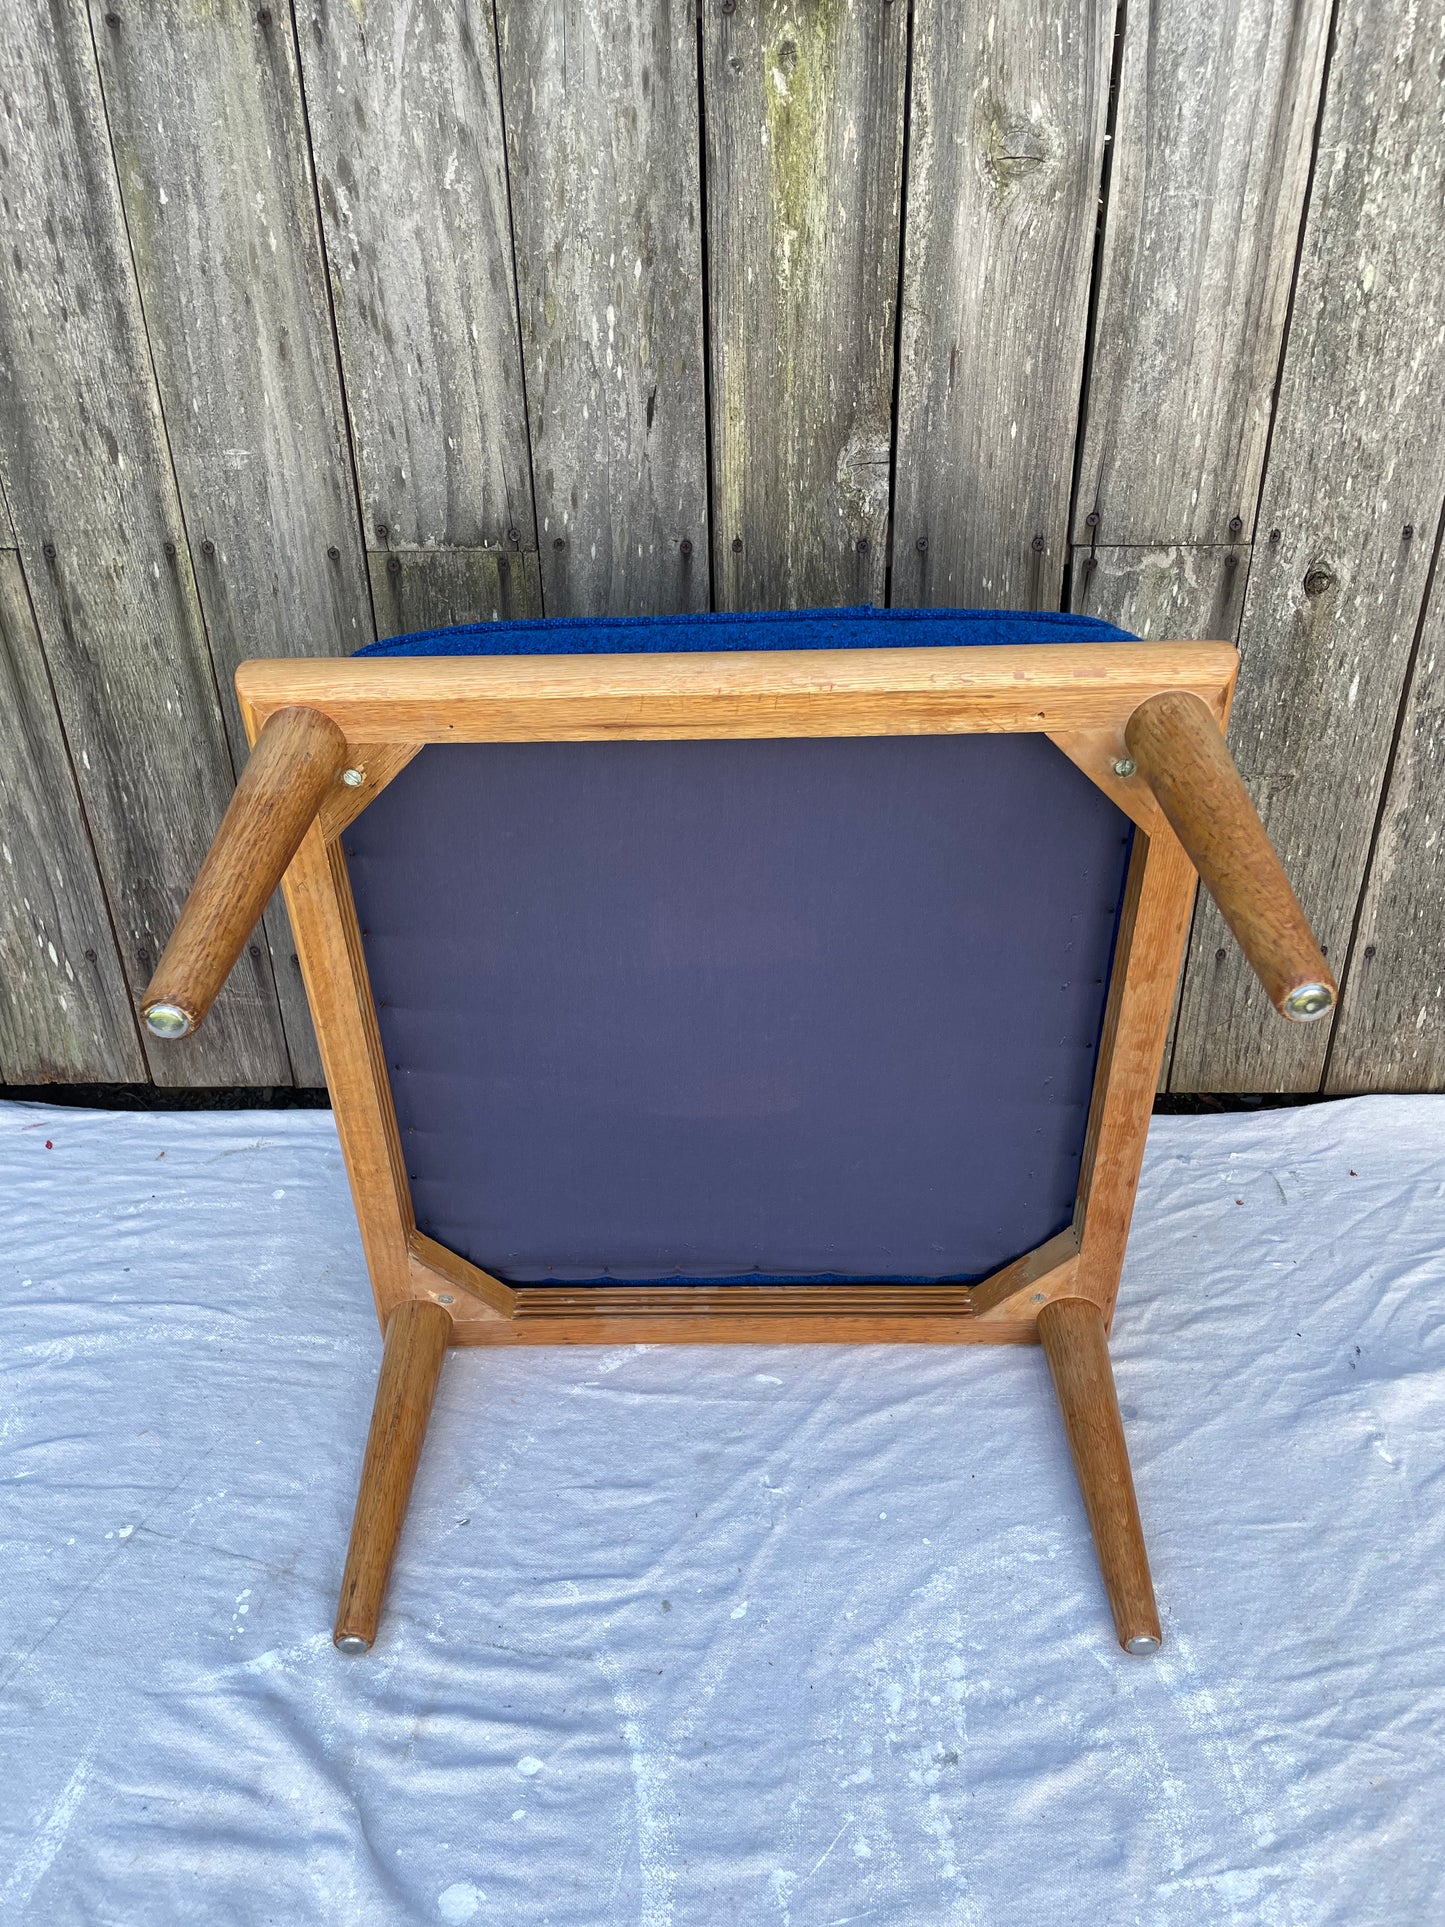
1081	695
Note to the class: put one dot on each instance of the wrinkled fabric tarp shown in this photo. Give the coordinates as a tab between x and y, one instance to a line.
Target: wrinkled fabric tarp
770	1637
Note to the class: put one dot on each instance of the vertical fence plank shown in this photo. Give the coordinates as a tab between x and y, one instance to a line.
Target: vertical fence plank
64	1010
1177	594
606	209
1213	128
1005	151
206	120
408	146
436	588
1390	1033
88	475
803	114
1333	598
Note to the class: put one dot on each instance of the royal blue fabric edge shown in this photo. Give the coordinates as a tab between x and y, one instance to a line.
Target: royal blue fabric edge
851	628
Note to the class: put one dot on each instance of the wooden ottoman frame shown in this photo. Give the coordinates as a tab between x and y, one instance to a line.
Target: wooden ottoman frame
1144	721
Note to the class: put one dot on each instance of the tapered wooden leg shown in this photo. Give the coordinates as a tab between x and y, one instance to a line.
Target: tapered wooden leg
417	1334
1076	1345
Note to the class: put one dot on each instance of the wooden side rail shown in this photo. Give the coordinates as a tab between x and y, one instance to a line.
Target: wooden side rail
298	756
1180	751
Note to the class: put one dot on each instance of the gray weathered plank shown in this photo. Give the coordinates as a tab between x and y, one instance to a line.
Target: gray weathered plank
65	1013
803	111
607	210
436	588
409	153
1390	1033
1215	115
1005	151
1167	594
209	135
1331	609
88	475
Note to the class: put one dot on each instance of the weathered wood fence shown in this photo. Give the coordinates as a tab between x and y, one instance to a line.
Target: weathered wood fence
341	319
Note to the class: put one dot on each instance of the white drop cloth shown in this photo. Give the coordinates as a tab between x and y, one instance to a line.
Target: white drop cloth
736	1637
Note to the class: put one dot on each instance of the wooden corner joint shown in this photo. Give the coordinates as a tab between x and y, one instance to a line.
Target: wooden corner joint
369	768
453	1282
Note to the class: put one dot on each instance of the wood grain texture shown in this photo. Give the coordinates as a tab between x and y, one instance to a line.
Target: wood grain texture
1180	592
1006	143
65	1012
409	153
1390	1031
803	115
323	916
743	693
1181	754
1331	610
477	1324
1210	162
415	589
602	134
417	1335
1153	925
1071	1331
297	761
207	124
377	764
88	475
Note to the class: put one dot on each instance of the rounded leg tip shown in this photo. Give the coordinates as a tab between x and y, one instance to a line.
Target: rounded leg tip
1142	1645
167	1020
351	1643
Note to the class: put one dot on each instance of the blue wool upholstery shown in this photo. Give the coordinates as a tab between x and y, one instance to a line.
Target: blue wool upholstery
766	1012
774	629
